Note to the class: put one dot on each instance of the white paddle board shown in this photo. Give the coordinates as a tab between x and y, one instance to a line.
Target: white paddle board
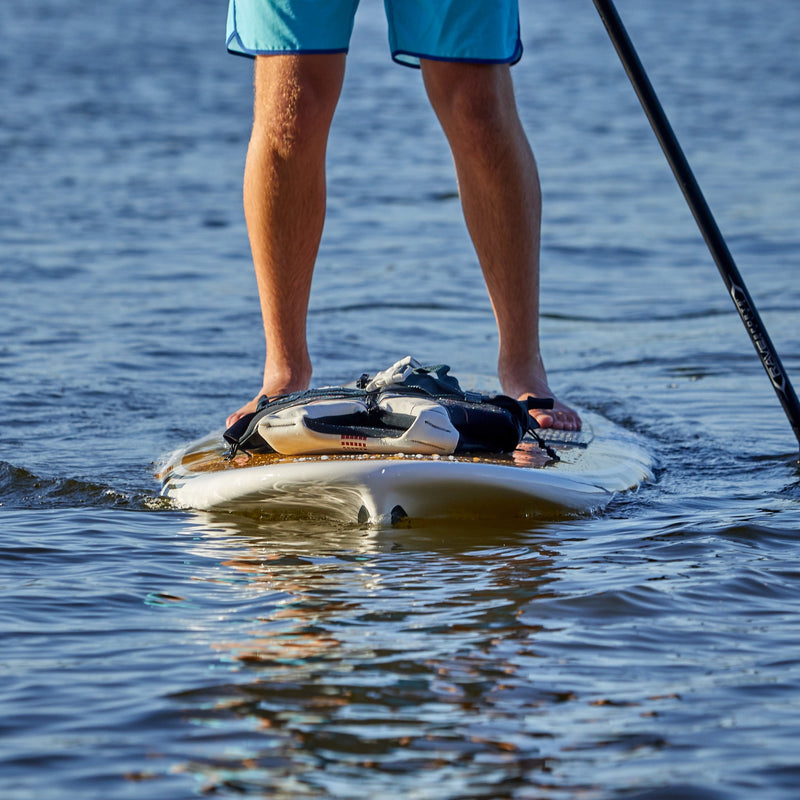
592	466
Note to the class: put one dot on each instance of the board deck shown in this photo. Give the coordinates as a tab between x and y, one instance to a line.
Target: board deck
592	467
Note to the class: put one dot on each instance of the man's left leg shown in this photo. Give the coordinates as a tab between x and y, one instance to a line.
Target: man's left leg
499	187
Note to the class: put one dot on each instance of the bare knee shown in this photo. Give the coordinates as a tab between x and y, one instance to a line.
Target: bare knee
474	103
295	99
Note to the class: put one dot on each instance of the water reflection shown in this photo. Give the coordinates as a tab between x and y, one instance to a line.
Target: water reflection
361	654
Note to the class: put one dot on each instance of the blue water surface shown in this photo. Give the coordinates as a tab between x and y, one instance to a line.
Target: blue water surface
650	651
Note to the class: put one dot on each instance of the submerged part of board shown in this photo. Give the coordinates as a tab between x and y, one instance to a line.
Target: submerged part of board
592	466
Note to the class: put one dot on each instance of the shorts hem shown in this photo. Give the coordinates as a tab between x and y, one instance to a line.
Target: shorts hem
407	58
236	47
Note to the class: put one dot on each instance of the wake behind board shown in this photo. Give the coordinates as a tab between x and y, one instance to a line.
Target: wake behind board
591	467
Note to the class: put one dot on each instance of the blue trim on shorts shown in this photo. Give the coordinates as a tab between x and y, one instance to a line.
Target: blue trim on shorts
246	52
256	53
398	54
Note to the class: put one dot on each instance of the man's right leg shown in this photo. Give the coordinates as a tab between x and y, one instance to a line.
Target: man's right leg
284	202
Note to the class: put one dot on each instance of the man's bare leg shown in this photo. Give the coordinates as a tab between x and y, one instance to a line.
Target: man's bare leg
499	187
284	202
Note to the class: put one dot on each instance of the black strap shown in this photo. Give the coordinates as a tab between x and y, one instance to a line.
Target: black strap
433	382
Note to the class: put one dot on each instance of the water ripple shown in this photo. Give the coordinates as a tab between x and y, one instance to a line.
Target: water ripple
649	651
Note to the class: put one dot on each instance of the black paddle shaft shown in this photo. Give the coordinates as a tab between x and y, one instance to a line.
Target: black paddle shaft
702	214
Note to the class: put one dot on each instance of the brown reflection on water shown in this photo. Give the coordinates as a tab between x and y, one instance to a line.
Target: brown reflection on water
291	631
415	662
392	658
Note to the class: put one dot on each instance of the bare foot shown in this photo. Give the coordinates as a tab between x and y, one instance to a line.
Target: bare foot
250	408
247	408
560	416
271	388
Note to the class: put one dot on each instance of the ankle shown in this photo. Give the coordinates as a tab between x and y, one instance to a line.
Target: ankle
525	376
286	378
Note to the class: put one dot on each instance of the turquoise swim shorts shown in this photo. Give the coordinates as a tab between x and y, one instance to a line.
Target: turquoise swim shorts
476	31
